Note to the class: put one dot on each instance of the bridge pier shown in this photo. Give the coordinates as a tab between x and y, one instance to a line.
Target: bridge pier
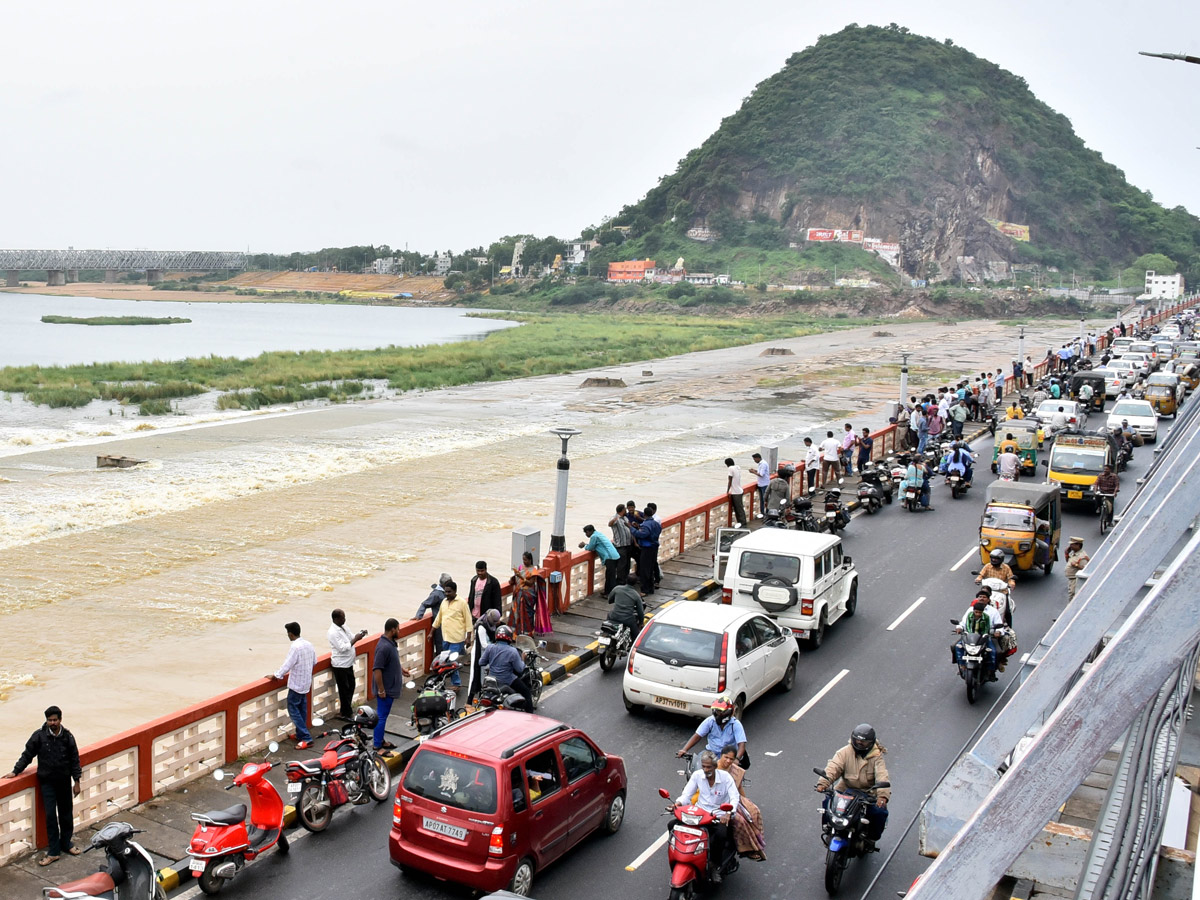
110	276
72	276
154	276
13	278
55	277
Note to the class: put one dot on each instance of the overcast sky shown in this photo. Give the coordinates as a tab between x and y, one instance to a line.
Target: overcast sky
300	125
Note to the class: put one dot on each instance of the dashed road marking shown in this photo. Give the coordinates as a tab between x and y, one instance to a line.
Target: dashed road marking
821	693
904	615
647	853
958	565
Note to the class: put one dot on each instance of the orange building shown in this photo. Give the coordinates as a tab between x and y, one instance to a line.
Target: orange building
632	270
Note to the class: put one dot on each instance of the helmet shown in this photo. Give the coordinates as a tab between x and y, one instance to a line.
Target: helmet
722	709
996	556
862	739
366	717
504	633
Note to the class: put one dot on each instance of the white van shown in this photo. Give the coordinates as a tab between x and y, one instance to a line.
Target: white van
799	578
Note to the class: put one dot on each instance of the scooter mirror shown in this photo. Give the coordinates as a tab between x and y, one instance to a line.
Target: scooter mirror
662	792
273	747
453	656
410	685
317	722
219	774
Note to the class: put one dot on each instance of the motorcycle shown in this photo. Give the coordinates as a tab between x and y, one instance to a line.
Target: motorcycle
873	489
1124	455
802	515
128	873
615	639
494	694
970	655
836	516
223	843
958	484
687	849
897	470
844	826
347	771
436	705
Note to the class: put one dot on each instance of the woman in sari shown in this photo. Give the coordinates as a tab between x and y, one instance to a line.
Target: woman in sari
747	819
530	612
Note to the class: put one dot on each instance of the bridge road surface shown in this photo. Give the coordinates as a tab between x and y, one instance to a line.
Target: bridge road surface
897	676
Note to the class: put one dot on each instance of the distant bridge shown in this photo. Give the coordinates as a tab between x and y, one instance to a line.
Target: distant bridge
63	266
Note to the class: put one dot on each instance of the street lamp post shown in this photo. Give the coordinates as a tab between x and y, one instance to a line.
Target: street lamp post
904	355
558	537
1021	344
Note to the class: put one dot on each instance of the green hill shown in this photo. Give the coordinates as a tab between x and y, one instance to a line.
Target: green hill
914	141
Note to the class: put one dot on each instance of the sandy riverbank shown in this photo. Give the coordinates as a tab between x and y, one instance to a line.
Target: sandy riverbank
106	291
172	581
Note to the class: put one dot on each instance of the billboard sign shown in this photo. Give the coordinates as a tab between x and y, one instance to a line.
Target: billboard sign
1013	230
835	234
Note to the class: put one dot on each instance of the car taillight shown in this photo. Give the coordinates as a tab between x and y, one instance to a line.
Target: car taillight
396	812
727	596
496	843
806	606
633	649
724	660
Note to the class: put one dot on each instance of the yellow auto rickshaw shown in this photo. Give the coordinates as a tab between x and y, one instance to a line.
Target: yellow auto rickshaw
1189	374
1162	398
1024	521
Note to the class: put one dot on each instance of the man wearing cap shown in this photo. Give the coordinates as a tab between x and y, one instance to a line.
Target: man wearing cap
1076	560
433	604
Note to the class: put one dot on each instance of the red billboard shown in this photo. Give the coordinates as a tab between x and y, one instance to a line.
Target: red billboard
835	234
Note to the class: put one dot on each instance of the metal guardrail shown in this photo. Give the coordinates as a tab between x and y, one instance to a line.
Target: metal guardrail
172	260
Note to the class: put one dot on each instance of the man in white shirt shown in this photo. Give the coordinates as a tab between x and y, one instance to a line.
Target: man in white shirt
733	487
762	478
298	667
342	642
1008	464
712	788
812	463
831	447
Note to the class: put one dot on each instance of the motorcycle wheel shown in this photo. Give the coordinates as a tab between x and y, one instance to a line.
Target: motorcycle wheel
887	498
313	807
608	658
282	844
872	505
536	689
210	883
835	865
377	777
954	491
972	685
682	893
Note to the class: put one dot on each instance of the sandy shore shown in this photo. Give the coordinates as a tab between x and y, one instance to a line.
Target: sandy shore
107	291
168	583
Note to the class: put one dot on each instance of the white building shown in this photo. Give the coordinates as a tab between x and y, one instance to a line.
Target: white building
1163	287
385	265
577	252
443	265
706	278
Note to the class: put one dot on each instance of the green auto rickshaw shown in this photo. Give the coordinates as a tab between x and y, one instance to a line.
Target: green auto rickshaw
1027	434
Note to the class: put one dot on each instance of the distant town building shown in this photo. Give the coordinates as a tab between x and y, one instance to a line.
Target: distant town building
443	265
577	252
385	265
480	260
632	270
1163	287
705	278
703	233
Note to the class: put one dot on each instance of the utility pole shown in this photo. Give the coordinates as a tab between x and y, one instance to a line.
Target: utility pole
1177	56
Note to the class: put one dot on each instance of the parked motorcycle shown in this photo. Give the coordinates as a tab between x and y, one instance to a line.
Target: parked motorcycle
836	515
128	872
687	849
223	843
502	695
844	829
898	469
615	639
347	771
437	703
802	515
874	489
971	656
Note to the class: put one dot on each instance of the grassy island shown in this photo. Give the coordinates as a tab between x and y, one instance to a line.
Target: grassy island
114	320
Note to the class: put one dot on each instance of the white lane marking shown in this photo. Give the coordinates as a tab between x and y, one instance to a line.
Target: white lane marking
904	615
821	693
958	565
647	853
772	753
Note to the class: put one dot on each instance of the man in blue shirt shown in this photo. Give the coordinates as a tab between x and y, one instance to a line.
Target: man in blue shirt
720	730
646	535
608	553
505	664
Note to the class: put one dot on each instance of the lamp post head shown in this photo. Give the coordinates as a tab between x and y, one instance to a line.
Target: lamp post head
904	355
565	434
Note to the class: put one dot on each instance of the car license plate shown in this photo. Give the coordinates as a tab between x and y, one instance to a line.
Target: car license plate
196	865
1074	495
294	787
604	641
455	831
673	704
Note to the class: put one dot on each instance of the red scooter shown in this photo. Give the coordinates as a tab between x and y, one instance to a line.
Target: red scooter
687	849
223	843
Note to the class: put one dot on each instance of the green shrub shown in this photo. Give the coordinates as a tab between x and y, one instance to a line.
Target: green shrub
155	408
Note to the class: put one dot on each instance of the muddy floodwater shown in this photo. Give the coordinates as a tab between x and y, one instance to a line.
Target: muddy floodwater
128	593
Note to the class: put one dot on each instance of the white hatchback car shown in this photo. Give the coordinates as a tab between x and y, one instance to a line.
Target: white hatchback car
1140	414
691	653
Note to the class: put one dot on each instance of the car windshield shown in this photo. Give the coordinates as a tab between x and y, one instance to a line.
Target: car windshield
1128	408
1008	518
452	781
758	565
1080	461
687	646
1050	407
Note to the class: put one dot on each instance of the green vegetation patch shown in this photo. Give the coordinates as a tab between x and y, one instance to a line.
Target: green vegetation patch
114	320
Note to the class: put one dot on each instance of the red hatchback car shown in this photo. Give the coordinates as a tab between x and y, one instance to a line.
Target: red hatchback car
493	798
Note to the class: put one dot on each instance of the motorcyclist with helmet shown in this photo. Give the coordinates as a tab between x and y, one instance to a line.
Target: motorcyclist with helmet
504	662
860	765
997	568
720	730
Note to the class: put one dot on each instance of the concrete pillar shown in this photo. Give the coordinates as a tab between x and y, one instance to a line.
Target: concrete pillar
55	277
154	276
72	276
14	278
110	276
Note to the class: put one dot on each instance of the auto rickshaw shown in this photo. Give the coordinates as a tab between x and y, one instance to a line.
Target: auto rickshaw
1188	372
1028	435
1162	397
1096	380
1023	520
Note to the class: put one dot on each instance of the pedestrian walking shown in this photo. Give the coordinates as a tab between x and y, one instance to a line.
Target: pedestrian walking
298	667
454	618
622	538
865	444
341	660
432	604
1076	560
389	680
831	449
733	488
484	591
603	548
812	463
58	777
762	478
849	443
